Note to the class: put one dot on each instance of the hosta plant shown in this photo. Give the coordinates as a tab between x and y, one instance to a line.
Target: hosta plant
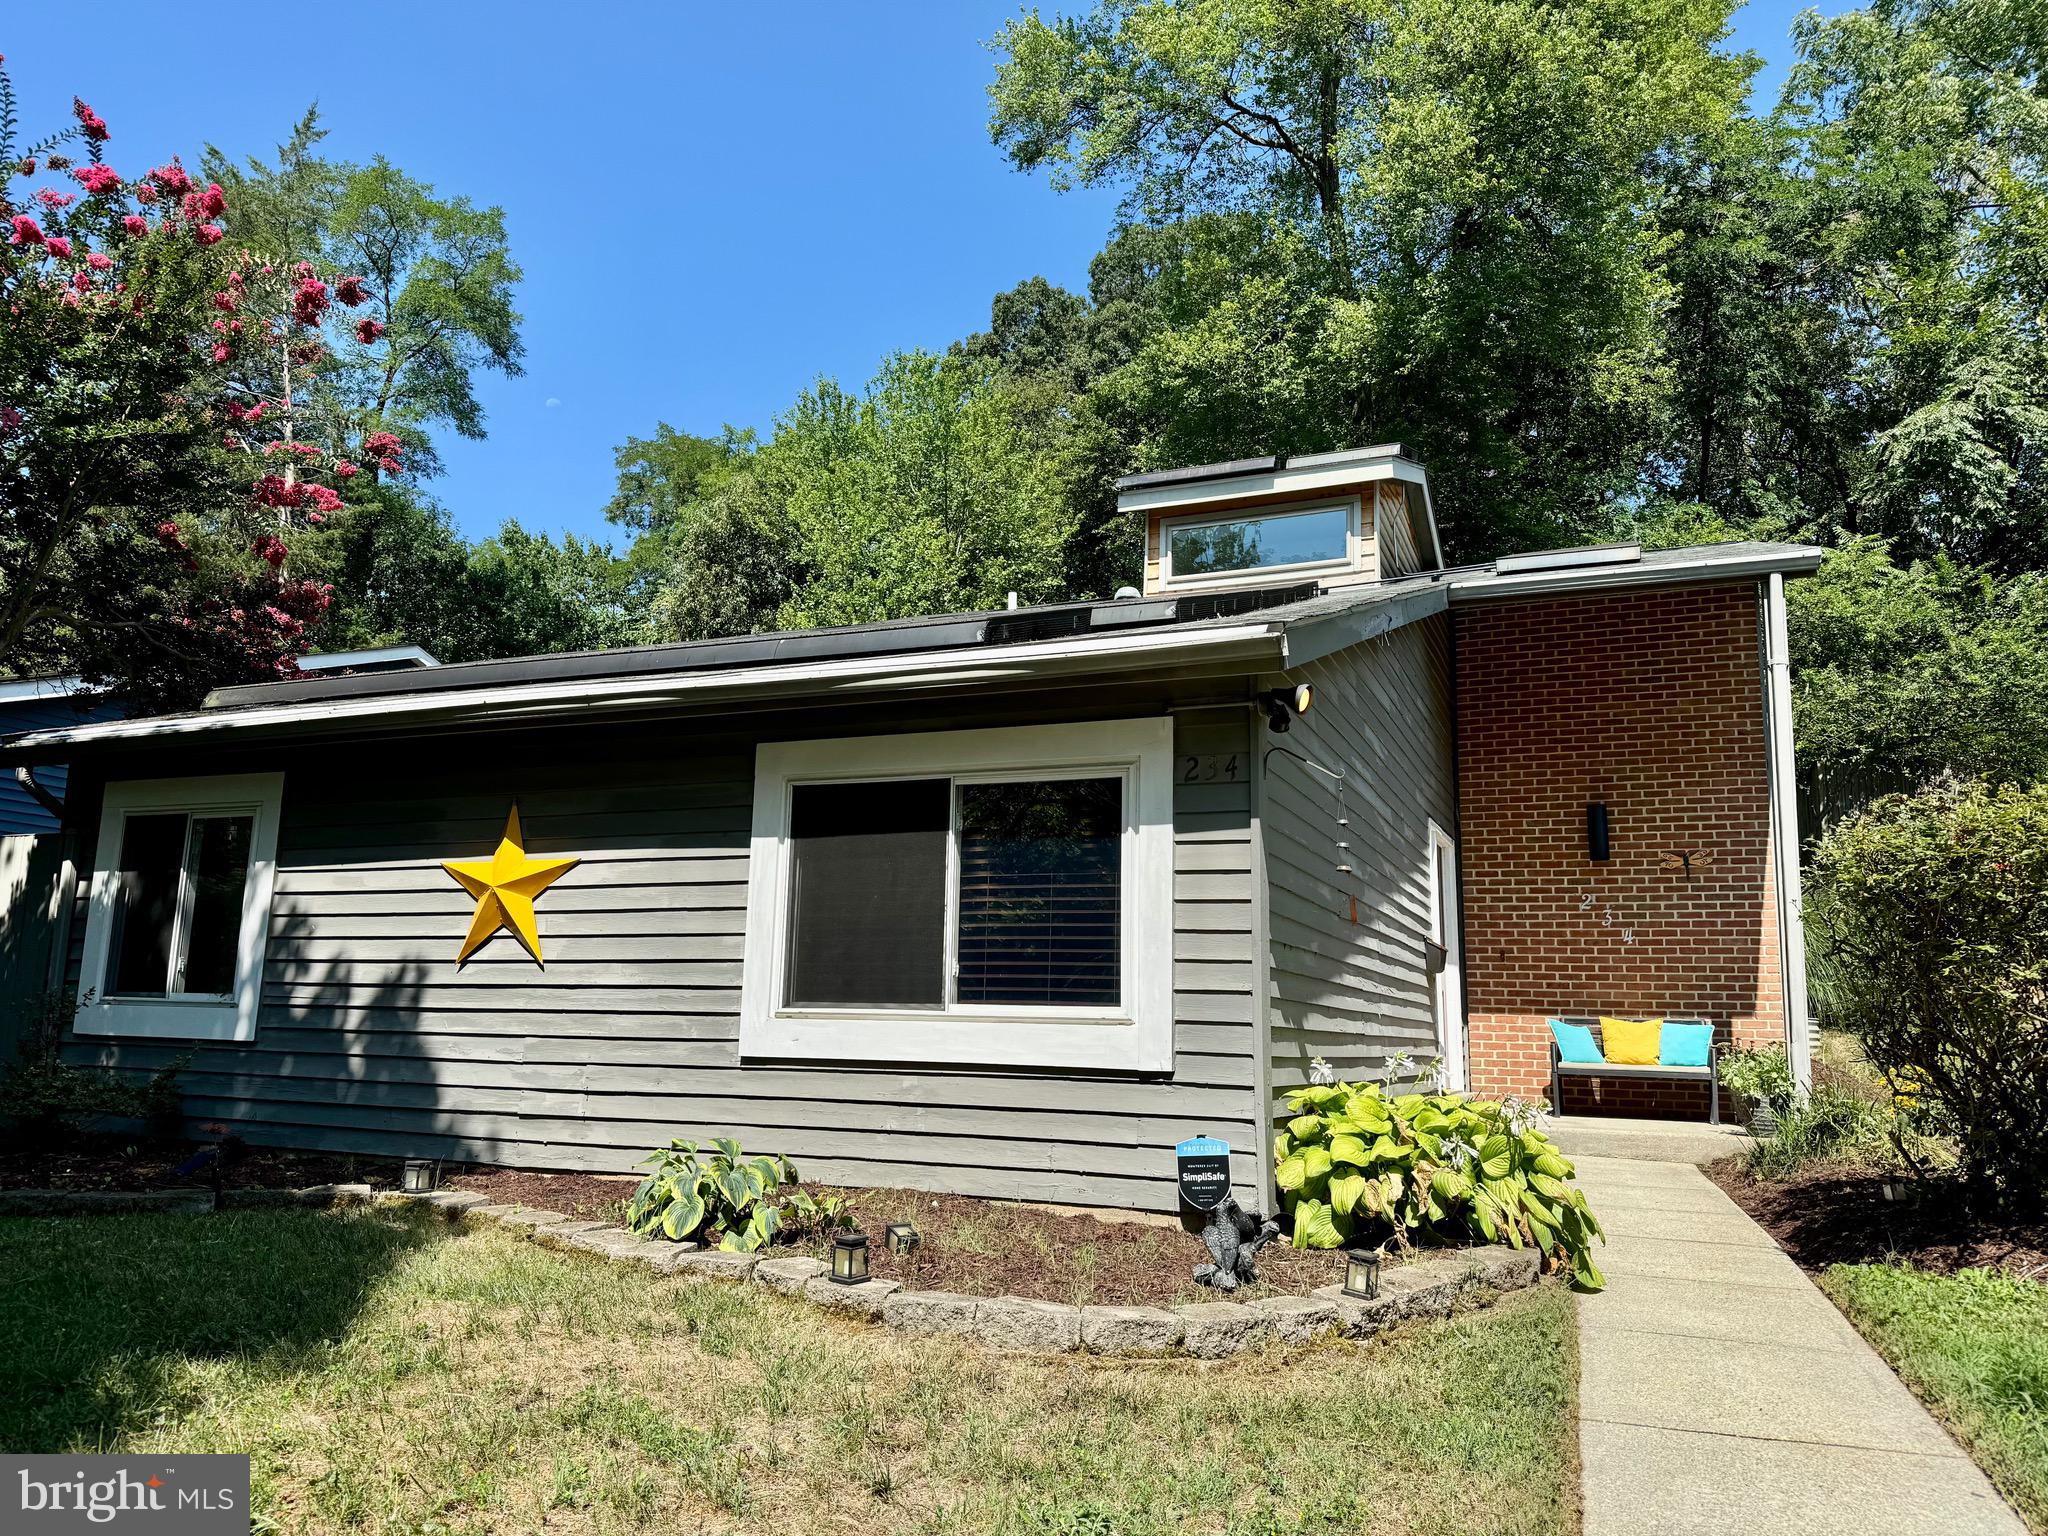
1359	1164
721	1190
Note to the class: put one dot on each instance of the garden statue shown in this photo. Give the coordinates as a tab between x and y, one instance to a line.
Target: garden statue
1232	1237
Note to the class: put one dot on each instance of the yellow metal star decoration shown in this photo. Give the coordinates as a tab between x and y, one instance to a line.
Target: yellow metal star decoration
504	886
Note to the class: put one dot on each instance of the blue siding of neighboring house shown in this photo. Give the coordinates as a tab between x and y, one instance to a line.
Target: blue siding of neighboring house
18	812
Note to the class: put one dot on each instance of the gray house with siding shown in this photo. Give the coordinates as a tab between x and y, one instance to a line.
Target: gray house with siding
1000	903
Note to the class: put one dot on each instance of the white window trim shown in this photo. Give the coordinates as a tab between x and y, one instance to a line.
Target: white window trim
1354	541
233	1016
1135	1037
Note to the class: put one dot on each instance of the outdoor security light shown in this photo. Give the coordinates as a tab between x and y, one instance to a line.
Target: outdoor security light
421	1175
849	1258
902	1238
1362	1273
1283	704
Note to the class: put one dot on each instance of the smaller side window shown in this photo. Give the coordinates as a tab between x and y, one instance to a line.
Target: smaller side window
180	907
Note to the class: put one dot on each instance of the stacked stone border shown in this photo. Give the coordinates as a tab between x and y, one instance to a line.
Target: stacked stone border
1429	1285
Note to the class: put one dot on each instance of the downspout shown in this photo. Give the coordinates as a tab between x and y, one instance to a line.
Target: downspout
25	776
1785	830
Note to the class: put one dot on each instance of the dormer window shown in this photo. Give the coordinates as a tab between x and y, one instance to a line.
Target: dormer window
1287	539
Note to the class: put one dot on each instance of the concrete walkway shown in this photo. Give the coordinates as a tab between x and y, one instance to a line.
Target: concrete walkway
1721	1391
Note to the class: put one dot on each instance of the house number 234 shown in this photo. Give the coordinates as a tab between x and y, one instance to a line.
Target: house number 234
1212	768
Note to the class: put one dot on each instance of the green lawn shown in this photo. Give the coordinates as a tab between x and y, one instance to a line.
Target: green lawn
392	1373
1974	1345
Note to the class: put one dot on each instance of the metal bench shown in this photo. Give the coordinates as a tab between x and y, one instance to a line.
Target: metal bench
1560	1069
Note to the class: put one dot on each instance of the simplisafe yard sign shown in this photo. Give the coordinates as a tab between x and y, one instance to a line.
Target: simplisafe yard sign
1204	1164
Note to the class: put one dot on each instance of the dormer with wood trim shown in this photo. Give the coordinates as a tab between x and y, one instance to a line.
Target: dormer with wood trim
1357	515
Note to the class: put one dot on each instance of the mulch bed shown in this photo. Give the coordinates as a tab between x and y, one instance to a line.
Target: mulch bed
103	1163
1000	1248
972	1246
1840	1216
585	1196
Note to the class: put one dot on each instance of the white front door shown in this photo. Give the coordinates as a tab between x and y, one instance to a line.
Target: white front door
1448	997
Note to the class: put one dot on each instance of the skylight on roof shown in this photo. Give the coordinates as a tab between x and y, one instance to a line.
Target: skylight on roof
1566	559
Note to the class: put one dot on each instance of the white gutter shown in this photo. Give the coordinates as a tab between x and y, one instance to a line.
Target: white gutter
1785	831
1649	573
962	666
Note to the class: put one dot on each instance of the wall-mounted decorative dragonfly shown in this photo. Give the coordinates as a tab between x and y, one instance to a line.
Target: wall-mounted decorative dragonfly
1688	861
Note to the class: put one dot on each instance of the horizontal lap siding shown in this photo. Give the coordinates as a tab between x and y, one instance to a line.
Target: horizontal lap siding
371	1039
1356	992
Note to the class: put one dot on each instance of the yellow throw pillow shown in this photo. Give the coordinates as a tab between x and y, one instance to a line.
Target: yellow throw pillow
1631	1042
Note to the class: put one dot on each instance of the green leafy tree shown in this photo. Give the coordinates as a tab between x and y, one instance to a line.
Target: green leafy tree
944	485
135	548
413	578
435	274
1903	674
662	477
1925	154
550	595
941	487
1426	222
732	567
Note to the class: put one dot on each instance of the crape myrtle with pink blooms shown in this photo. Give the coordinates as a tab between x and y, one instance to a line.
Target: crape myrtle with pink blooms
161	453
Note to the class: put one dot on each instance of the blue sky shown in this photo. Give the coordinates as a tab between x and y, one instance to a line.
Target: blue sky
714	205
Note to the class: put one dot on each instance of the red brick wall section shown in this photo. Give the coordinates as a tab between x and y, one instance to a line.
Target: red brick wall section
1653	703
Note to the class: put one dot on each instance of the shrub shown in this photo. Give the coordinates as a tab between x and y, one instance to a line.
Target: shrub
44	1096
1829	1125
1762	1077
1354	1160
1929	916
726	1191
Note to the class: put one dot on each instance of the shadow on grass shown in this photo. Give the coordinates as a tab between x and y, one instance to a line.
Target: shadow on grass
103	1319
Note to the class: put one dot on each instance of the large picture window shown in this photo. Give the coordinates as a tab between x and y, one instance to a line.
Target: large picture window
999	896
180	905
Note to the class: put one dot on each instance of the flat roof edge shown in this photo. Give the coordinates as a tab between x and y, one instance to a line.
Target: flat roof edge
1488	586
1270	463
1254	644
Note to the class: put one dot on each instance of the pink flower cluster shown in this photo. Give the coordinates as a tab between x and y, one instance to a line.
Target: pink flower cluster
385	448
94	125
25	231
210	204
350	290
276	491
368	330
97	178
309	301
172	179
